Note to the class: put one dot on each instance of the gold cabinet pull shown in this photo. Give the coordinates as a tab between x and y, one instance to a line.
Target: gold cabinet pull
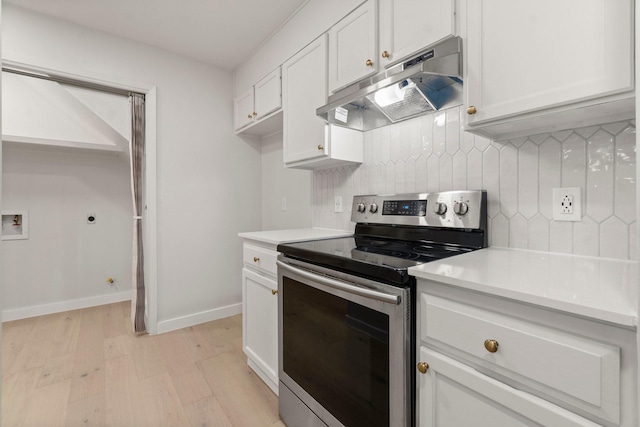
369	63
249	116
385	54
274	291
255	114
320	147
423	367
256	259
491	345
472	110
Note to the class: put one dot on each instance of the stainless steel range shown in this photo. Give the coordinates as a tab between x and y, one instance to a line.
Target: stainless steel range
346	312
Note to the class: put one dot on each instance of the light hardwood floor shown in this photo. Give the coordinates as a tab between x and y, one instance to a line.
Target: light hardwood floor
86	368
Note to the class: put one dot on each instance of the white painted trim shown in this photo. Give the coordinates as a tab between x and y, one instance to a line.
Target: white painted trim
57	307
197	318
151	213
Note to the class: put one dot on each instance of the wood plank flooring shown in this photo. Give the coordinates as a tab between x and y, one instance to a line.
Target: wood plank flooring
86	368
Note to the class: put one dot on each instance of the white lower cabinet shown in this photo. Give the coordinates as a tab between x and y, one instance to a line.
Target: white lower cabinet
260	313
452	394
488	361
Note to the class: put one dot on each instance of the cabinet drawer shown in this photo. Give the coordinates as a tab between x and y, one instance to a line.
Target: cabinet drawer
580	369
452	394
260	258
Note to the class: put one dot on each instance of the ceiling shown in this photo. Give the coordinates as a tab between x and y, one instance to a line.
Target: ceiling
223	33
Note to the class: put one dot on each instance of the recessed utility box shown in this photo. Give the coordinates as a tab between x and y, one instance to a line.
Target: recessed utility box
15	225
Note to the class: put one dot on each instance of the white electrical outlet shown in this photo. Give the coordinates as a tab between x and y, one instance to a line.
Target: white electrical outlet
337	204
567	204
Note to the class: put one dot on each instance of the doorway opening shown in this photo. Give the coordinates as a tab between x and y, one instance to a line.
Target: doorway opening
149	212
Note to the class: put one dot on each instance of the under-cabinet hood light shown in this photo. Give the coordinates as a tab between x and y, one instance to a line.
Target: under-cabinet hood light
392	94
429	81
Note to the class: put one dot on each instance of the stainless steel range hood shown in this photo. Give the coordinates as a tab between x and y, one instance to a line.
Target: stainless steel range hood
429	81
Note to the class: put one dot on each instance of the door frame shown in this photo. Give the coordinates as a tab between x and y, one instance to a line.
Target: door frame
150	188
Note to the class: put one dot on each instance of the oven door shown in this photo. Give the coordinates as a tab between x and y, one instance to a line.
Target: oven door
344	349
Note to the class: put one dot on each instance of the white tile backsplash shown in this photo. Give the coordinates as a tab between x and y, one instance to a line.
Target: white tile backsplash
432	153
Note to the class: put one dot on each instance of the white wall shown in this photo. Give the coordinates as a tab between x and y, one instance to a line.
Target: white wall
65	259
59	187
637	176
1	205
208	179
278	182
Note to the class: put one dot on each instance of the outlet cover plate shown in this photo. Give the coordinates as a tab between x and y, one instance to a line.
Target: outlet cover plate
337	204
559	211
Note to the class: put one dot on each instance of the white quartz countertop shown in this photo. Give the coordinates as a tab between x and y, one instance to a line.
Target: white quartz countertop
275	237
598	288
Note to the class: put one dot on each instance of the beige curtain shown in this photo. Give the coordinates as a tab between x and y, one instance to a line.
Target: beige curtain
136	147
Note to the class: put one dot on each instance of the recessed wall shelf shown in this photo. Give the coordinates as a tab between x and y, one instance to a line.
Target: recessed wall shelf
15	225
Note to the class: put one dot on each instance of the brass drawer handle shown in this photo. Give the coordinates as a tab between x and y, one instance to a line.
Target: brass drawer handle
472	110
423	367
491	345
256	259
320	147
255	114
385	54
249	116
274	291
369	63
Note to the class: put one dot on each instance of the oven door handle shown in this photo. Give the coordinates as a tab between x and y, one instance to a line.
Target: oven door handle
336	284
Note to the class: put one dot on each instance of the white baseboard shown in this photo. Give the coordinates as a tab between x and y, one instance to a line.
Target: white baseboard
57	307
197	318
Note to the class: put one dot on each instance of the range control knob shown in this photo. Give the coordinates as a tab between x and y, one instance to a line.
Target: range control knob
440	208
460	208
373	208
362	207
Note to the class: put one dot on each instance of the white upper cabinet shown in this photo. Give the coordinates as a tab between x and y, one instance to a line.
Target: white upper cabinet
353	46
243	109
258	103
308	142
268	94
304	88
358	47
407	26
542	66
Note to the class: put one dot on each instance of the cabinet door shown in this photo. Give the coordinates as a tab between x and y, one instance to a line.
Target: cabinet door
268	93
260	324
243	109
304	89
451	394
407	26
353	47
527	56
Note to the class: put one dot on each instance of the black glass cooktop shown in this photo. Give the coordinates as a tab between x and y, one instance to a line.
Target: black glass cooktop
371	257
